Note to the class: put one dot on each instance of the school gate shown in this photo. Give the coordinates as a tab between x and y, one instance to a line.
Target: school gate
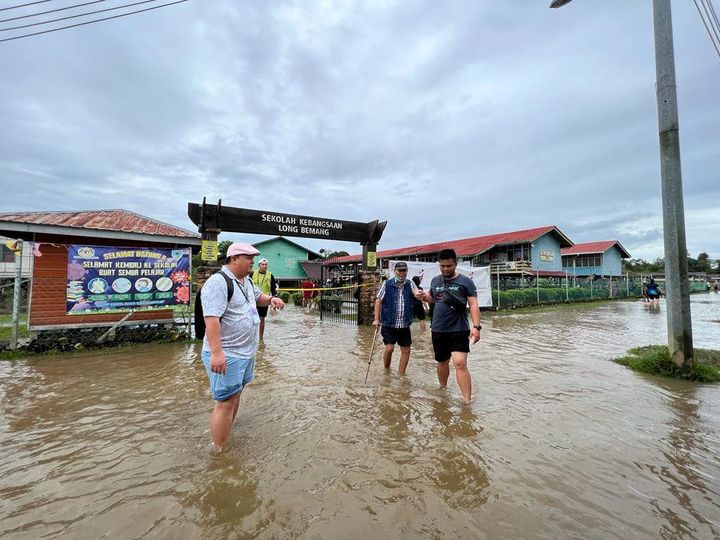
341	304
339	297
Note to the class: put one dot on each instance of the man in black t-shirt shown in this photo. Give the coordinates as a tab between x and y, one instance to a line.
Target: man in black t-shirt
451	334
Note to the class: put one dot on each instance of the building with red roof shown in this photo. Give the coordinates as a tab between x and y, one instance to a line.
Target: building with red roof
532	251
52	233
602	258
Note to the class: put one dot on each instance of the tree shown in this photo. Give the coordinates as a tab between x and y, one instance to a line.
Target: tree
703	262
222	248
334	254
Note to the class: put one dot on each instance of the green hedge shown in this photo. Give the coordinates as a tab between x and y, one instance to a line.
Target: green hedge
551	295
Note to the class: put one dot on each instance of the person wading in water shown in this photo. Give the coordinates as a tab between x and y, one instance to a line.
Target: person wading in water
231	336
264	281
451	334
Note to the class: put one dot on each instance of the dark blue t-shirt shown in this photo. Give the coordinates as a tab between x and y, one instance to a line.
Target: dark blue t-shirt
445	318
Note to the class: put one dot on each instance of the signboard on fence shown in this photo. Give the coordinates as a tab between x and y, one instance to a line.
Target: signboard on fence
428	270
106	279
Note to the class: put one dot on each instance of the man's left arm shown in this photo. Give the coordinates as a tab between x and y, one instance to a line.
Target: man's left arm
475	316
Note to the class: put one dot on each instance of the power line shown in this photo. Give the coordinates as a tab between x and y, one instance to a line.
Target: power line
50	11
76	16
712	20
93	21
711	33
715	18
24	5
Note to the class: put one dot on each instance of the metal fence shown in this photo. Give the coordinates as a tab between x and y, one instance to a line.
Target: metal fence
529	291
339	294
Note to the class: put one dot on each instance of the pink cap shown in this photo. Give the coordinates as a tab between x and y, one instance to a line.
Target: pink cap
240	248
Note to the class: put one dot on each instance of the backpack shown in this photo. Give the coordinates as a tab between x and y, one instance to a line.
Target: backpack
199	317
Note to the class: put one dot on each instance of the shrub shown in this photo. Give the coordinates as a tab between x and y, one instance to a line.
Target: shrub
656	360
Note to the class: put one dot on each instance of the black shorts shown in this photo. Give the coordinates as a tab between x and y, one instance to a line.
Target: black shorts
262	311
391	336
446	343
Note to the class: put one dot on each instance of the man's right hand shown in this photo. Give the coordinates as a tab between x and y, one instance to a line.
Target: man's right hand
376	324
218	363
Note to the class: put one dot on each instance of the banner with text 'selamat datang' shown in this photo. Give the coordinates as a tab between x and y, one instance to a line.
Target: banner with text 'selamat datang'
106	279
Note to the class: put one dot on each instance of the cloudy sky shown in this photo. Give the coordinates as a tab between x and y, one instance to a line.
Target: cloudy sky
447	119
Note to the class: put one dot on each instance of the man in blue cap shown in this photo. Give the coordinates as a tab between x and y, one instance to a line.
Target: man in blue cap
394	310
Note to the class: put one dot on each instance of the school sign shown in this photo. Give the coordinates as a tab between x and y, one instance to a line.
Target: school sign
106	279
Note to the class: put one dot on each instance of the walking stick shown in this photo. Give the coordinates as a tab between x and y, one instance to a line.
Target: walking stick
372	348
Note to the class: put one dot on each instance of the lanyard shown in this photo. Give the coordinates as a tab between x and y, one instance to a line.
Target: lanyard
242	290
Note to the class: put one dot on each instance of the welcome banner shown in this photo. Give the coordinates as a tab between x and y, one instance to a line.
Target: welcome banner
105	279
428	270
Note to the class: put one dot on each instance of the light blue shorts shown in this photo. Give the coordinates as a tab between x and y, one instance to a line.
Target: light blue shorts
239	372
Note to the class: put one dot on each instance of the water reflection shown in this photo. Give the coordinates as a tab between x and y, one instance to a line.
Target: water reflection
683	448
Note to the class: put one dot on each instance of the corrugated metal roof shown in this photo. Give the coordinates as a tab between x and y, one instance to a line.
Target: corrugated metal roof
589	248
105	220
467	247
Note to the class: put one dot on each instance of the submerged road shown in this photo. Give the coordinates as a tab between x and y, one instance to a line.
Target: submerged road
559	441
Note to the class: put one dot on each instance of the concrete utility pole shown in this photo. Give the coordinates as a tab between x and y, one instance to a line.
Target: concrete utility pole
677	288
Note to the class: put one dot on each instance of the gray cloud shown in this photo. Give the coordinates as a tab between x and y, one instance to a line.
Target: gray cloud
447	120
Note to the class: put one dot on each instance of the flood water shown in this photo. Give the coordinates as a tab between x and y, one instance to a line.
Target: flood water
559	442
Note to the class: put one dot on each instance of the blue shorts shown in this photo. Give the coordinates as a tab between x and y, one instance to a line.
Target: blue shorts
239	372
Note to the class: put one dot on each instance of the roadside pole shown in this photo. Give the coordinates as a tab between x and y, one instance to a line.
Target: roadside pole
16	296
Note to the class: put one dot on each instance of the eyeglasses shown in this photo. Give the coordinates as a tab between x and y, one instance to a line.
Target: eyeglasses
401	269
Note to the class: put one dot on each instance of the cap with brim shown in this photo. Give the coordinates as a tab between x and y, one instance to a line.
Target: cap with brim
401	265
240	248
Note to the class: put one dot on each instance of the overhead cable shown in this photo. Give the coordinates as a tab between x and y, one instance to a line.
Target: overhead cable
711	33
714	16
77	16
24	5
93	21
50	11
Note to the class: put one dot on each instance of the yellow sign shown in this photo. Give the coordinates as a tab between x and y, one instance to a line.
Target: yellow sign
371	259
209	250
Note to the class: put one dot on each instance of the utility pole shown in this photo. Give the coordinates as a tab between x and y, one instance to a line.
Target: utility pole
677	288
17	295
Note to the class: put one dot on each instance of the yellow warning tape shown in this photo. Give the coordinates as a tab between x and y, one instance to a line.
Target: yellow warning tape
326	288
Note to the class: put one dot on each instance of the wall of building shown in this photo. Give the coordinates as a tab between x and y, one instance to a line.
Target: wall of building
49	283
610	264
546	253
283	259
8	260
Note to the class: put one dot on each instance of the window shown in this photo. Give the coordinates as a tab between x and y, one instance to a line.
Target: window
7	255
586	261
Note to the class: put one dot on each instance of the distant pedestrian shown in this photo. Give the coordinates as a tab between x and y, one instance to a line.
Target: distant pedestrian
265	281
231	335
394	311
308	293
451	293
653	293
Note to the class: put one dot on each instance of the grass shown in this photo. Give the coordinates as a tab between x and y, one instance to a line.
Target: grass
655	360
6	327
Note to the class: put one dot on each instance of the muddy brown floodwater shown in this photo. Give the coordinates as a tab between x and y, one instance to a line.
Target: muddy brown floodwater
558	443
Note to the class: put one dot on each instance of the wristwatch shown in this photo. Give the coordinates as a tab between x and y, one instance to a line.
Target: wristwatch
477	326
